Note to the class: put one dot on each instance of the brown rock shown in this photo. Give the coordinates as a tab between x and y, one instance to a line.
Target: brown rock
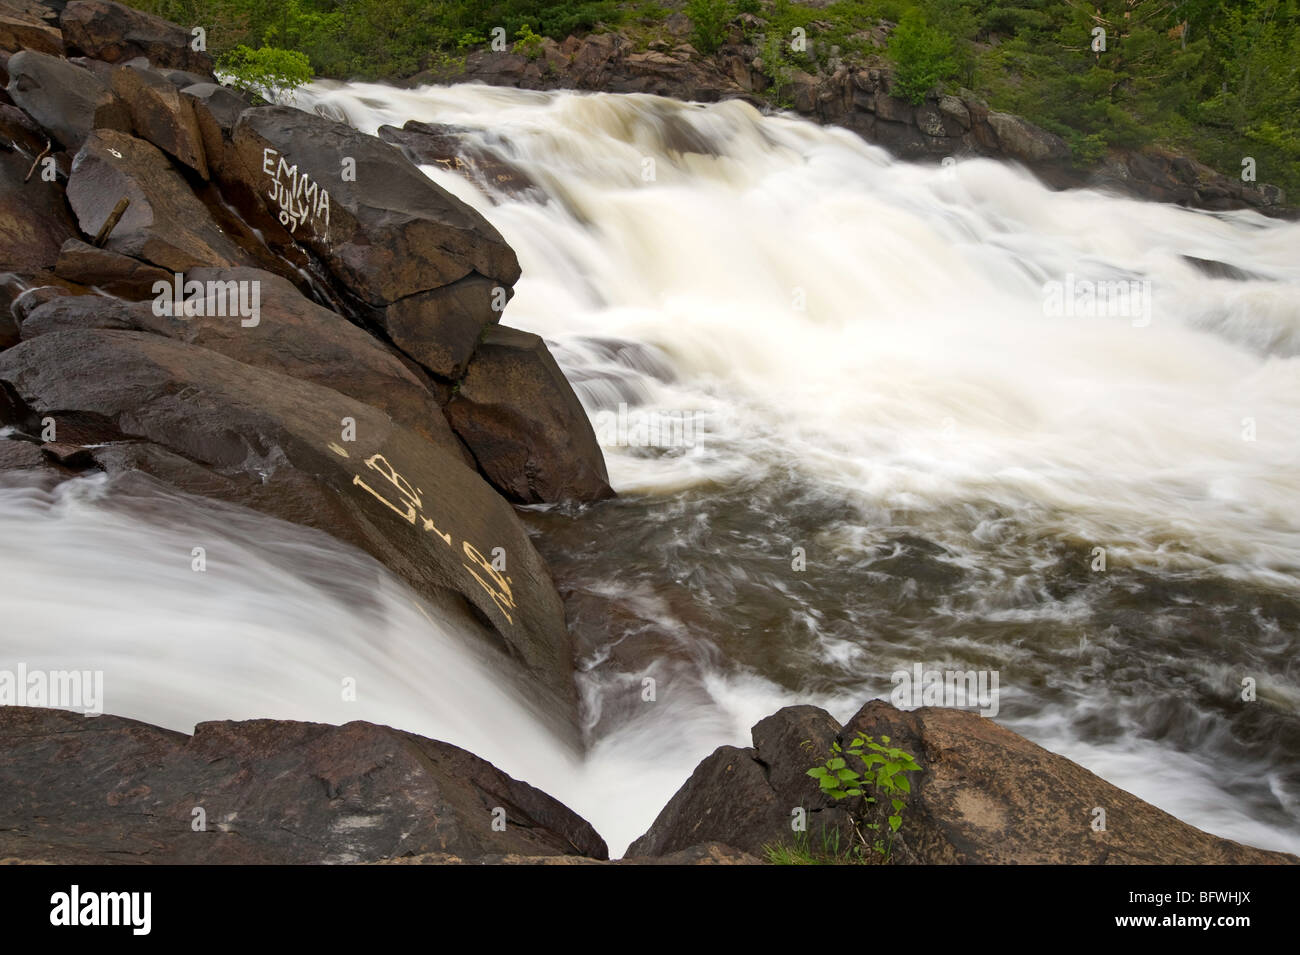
109	272
22	31
276	444
160	115
388	234
115	33
983	795
112	790
165	223
746	797
66	100
292	336
440	329
34	220
524	425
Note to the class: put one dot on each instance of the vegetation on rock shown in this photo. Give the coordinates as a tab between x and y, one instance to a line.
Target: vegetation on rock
1220	82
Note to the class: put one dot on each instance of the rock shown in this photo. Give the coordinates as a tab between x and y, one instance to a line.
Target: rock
524	425
165	224
984	795
1024	141
429	144
746	797
260	439
109	272
954	111
20	456
112	790
160	115
73	456
22	31
34	220
116	33
390	233
893	109
292	336
66	100
442	328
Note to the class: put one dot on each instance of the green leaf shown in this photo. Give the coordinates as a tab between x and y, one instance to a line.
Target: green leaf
895	822
835	764
897	804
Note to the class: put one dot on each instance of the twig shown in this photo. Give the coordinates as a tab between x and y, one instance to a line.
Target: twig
111	222
37	161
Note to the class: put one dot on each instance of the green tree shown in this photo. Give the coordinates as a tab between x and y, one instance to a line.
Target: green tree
923	56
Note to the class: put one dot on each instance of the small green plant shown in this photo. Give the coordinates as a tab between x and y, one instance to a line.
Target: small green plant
268	72
884	770
803	852
528	43
470	39
923	55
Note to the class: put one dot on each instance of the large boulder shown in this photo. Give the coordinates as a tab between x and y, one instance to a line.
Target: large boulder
311	455
288	334
66	100
160	115
524	425
749	798
165	224
983	795
115	33
112	790
385	233
1020	139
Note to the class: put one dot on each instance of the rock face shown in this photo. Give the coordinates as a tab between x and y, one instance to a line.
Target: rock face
114	33
165	224
110	790
984	795
524	425
289	334
282	445
160	115
332	294
388	233
34	220
110	272
66	100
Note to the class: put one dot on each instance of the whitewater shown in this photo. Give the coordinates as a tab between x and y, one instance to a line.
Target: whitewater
873	374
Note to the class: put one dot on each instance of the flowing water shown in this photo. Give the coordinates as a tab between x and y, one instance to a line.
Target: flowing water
851	434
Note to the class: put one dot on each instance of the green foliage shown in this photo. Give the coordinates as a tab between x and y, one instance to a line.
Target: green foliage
924	57
884	770
1217	80
709	19
267	71
827	851
528	43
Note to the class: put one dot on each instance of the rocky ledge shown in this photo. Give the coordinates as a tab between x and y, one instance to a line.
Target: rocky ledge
858	98
102	789
264	306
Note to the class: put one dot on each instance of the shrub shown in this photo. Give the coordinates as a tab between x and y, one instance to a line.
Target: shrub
267	72
709	19
923	57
